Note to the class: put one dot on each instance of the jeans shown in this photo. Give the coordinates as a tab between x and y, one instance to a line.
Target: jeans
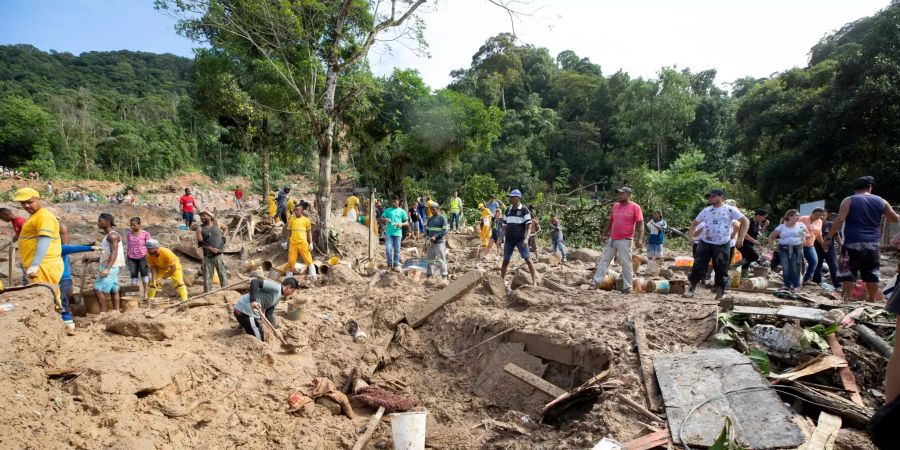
436	255
620	248
210	263
831	260
392	249
557	244
809	253
454	220
790	262
749	254
820	260
719	254
65	289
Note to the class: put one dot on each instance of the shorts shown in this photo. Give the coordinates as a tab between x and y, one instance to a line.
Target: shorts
519	244
187	216
495	235
138	267
860	261
110	283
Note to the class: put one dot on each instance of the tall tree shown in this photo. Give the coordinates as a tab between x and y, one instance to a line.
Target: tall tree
313	46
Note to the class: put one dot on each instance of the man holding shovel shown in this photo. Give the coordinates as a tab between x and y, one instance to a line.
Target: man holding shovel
263	297
164	264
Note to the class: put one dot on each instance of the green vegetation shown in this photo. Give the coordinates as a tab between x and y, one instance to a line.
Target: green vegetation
558	128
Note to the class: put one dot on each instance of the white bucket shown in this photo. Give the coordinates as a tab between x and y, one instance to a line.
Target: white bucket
408	429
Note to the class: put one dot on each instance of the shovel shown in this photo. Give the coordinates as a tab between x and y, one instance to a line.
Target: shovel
284	344
232	285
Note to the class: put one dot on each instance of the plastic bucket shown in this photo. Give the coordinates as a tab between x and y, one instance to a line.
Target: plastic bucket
658	286
755	284
607	283
408	429
294	312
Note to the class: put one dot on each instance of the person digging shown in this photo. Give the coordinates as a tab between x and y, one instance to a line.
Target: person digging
164	265
260	302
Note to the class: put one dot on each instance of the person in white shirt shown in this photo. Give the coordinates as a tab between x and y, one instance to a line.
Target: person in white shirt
790	235
714	241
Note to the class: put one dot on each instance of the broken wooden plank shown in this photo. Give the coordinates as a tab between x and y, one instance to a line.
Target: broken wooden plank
502	389
712	383
847	377
876	342
370	429
826	432
456	290
534	380
656	439
638	407
640	335
812	367
854	414
755	310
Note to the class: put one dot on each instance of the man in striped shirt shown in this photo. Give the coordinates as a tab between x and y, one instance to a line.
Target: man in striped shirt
517	226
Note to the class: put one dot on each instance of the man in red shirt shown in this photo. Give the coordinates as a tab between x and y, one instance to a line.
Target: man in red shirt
238	197
187	207
625	217
7	215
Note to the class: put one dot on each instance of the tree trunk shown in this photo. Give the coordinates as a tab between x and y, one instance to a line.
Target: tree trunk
659	147
265	173
325	141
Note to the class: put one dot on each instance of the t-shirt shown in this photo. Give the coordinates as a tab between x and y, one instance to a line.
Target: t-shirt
414	215
493	206
436	226
187	203
41	223
624	216
517	221
813	229
266	292
164	261
657	231
395	217
238	194
137	244
17	225
718	223
298	227
212	237
788	235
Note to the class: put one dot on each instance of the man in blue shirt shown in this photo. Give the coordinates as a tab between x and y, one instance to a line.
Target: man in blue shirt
395	219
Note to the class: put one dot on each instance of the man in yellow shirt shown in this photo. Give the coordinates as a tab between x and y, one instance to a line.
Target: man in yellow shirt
300	243
351	204
40	246
270	205
164	265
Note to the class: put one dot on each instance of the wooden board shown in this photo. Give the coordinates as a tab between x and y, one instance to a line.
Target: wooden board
786	312
458	288
690	379
825	433
502	389
535	381
848	380
640	335
656	439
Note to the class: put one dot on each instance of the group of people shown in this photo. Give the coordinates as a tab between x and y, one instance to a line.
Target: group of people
78	196
8	172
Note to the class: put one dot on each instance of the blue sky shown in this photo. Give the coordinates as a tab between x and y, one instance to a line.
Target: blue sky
738	38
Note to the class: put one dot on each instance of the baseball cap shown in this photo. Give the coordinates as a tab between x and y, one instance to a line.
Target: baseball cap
515	193
624	189
25	194
863	182
152	243
717	192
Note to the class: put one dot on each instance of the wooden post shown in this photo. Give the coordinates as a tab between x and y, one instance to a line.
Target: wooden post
373	226
12	256
640	335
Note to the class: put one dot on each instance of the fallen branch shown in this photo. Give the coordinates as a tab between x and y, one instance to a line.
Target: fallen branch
370	429
874	341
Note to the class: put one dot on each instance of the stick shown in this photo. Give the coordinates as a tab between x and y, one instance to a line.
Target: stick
847	377
370	429
874	341
197	297
534	381
640	336
637	407
480	343
854	415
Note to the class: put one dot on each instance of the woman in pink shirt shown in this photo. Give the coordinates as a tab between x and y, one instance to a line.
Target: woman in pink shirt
137	253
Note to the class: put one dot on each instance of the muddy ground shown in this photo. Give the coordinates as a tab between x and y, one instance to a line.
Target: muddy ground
190	378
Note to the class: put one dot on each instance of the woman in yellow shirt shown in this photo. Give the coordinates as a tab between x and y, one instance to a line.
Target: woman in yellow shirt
164	265
485	225
351	204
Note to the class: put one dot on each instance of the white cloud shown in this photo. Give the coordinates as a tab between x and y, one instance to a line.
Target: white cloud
738	38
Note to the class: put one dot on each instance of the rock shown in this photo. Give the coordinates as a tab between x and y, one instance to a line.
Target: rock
584	255
390	279
523	278
342	274
332	406
494	284
133	324
530	296
552	259
454	243
781	340
541	267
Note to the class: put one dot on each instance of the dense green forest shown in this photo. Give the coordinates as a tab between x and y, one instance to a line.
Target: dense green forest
516	117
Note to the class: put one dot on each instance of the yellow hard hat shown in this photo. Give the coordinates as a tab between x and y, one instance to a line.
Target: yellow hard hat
25	194
480	205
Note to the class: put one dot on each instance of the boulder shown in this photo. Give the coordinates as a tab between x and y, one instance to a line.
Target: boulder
160	329
523	278
530	296
342	274
494	284
584	255
552	259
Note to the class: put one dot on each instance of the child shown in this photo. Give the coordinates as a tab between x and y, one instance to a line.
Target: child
657	227
556	237
137	254
497	231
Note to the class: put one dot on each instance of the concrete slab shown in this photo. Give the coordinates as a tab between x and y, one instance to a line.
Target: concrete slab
458	288
708	378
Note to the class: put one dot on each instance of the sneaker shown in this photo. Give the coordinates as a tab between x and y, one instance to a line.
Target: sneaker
70	329
626	291
690	292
